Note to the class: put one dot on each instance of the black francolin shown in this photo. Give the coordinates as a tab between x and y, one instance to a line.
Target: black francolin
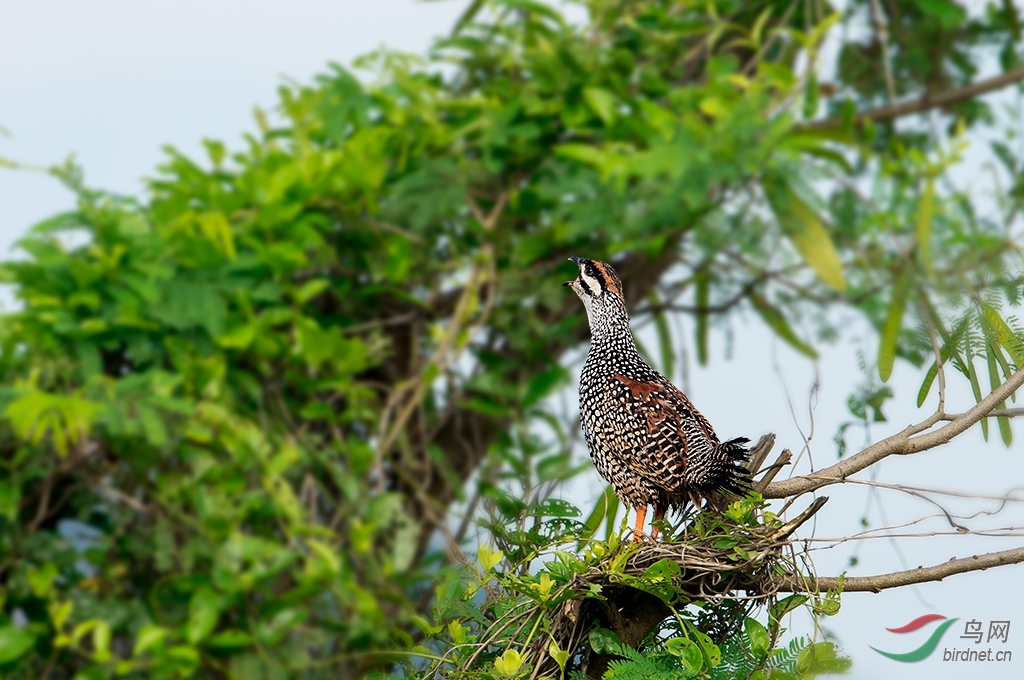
644	435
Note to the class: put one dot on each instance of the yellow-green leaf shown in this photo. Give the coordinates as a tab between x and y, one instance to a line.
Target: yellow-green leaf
926	385
59	613
149	636
15	642
1004	334
994	381
101	635
509	663
489	559
457	632
601	102
605	510
560	655
777	322
891	327
326	555
805	230
925	212
544	585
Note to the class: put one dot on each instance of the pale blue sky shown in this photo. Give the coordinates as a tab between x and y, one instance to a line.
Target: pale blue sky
112	81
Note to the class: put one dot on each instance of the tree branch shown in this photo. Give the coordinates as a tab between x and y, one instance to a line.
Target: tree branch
994	413
927	102
875	584
902	443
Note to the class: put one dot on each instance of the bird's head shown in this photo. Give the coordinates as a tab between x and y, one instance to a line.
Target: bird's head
598	286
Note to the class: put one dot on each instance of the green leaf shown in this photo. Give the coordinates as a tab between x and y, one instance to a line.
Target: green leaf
972	376
229	639
326	554
688	652
65	418
271	632
204	610
948	13
662	570
310	289
785	606
604	510
601	102
489	559
15	642
604	641
40	579
149	636
820	657
926	384
712	653
887	344
101	636
805	230
457	632
777	322
758	637
702	296
583	153
560	656
1003	333
544	383
925	214
1005	433
509	663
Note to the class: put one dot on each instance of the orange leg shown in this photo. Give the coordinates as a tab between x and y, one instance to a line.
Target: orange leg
659	514
641	515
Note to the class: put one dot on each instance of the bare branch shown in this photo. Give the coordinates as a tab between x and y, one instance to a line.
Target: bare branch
994	413
875	584
789	527
882	36
780	462
927	102
902	443
759	452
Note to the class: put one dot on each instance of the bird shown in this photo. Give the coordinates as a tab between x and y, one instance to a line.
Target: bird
645	436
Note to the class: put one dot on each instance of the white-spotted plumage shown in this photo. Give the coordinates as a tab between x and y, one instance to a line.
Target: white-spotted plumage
644	435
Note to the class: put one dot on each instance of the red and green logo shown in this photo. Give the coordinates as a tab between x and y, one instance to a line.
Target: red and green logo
929	645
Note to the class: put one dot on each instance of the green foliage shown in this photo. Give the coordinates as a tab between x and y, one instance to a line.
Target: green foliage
520	628
235	416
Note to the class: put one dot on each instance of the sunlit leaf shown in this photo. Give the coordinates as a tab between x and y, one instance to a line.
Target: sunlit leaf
602	102
887	344
805	230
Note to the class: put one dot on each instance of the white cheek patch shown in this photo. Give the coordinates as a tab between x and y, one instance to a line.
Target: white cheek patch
593	285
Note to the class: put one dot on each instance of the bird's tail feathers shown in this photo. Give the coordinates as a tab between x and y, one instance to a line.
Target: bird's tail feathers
731	473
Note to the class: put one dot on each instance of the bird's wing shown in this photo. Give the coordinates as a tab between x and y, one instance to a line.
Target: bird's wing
669	432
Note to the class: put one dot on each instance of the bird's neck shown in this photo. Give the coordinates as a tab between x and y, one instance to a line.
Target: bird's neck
612	329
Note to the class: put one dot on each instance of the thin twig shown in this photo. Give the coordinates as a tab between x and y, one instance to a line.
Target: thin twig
880	582
901	443
927	102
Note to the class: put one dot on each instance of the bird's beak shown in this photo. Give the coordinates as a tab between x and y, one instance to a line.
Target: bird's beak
576	260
